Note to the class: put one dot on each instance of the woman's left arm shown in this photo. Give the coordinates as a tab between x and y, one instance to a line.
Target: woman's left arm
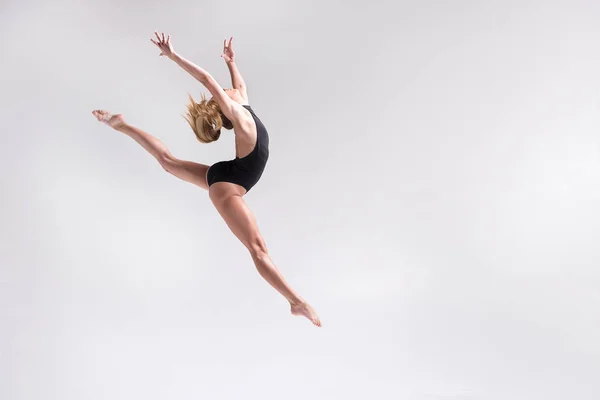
225	103
166	50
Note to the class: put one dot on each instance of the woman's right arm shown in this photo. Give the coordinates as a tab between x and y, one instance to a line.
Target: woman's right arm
237	81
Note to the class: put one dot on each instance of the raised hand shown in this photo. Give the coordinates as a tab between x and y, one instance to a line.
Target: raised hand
228	54
164	45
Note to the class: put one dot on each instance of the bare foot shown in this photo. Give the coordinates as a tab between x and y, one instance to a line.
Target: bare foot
114	121
305	310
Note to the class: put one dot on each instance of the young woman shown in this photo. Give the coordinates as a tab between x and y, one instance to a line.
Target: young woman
226	181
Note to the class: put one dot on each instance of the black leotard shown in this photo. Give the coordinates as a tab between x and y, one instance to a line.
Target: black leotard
245	171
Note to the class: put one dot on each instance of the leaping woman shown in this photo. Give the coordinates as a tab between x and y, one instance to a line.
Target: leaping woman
226	181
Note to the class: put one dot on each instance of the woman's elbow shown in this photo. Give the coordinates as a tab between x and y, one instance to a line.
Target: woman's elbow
203	78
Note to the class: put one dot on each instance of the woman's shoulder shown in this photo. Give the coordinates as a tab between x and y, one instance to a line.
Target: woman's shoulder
244	124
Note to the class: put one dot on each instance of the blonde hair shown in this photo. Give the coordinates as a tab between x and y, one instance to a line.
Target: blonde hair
204	118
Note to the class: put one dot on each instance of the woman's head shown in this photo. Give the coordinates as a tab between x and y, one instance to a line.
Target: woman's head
206	119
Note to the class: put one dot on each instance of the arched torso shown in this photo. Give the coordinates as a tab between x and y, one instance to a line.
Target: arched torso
252	140
245	132
252	152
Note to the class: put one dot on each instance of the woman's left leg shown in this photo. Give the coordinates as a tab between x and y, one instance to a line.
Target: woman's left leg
188	171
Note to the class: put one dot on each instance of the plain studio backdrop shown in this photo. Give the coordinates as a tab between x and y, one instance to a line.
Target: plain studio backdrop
433	189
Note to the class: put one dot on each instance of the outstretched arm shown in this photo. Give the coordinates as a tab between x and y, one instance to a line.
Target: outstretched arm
237	81
228	106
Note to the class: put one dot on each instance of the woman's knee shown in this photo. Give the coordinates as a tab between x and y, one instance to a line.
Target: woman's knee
257	247
168	162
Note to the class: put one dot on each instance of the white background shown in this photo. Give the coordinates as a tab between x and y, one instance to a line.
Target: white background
433	190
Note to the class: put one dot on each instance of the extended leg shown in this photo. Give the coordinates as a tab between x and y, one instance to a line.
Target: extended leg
232	207
186	170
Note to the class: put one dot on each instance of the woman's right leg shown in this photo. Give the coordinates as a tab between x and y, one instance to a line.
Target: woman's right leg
227	198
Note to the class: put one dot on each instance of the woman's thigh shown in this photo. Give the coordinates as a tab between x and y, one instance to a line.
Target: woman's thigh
227	198
188	171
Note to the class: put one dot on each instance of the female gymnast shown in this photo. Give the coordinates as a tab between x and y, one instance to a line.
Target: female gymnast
226	181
